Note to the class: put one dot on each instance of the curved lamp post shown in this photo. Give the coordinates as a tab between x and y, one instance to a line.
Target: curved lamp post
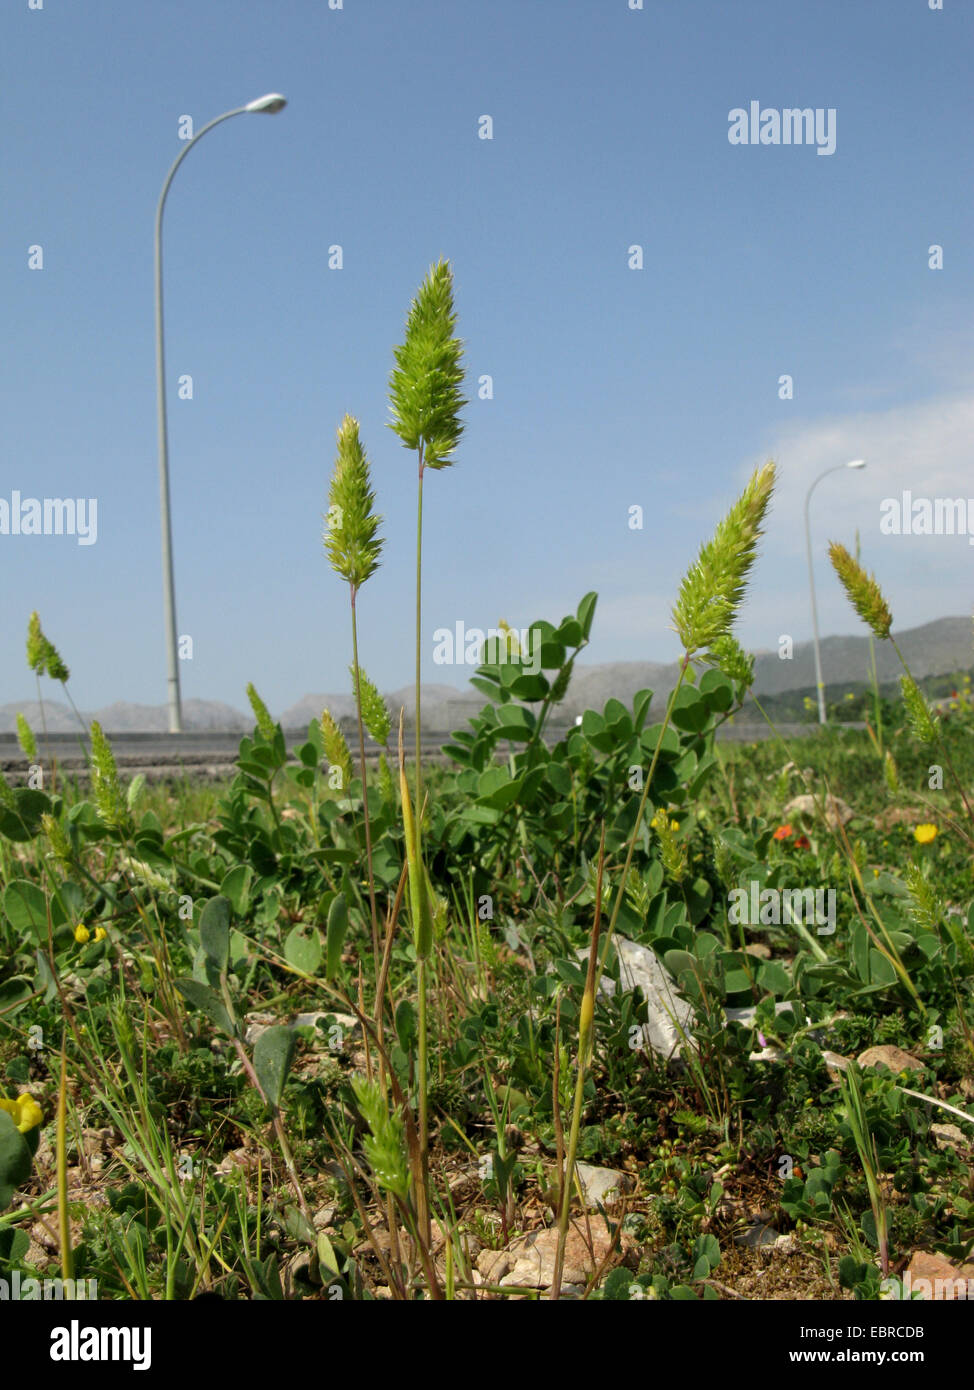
270	104
853	463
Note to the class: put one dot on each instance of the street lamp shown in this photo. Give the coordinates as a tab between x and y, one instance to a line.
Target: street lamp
853	463
269	104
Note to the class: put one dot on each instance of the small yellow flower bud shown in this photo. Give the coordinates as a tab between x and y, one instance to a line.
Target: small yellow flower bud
81	934
30	1112
25	1111
100	933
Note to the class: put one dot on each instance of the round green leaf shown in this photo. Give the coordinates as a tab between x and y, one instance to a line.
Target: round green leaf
25	908
302	949
14	1159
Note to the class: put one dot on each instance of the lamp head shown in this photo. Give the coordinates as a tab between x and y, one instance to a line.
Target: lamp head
856	463
272	103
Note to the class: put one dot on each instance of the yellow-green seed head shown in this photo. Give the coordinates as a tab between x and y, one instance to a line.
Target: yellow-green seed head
42	655
925	906
375	715
424	389
105	784
26	739
58	840
351	538
924	724
387	788
729	656
862	590
383	1146
262	716
714	586
35	644
336	748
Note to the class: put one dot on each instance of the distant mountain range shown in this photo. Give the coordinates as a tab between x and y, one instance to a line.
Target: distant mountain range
934	649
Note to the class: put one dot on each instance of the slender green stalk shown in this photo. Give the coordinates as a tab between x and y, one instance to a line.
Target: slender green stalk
353	547
64	1224
47	745
423	1058
425	401
422	1203
423	942
365	791
877	703
586	1037
77	712
418	774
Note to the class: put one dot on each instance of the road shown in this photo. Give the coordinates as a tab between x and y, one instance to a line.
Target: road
209	755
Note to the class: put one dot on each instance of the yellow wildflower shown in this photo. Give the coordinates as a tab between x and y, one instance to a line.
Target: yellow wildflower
25	1111
925	833
100	933
81	934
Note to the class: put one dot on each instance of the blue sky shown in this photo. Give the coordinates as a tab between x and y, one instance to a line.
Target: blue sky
613	387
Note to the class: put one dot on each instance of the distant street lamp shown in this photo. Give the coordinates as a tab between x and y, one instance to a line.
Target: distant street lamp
853	463
269	104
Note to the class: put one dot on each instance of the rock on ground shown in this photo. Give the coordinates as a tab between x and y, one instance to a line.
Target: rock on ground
602	1186
947	1281
836	811
529	1261
895	1058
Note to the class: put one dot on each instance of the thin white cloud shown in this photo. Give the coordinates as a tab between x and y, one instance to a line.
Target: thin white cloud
924	448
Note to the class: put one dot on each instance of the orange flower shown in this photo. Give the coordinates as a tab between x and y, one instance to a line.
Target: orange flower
783	832
803	842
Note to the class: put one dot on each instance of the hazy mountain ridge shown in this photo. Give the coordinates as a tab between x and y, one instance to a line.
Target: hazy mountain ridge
931	649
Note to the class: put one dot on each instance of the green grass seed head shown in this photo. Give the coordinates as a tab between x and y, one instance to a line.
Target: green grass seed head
924	725
351	536
35	644
26	739
925	906
424	388
375	715
336	748
714	585
729	656
58	840
387	788
105	783
862	590
383	1147
262	716
42	655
